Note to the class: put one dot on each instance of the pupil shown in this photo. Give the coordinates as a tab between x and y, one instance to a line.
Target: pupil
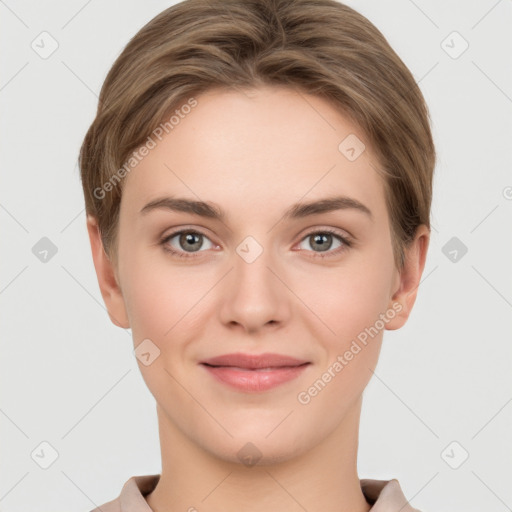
322	240
188	239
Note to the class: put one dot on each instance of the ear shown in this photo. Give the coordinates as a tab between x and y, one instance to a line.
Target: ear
408	279
107	280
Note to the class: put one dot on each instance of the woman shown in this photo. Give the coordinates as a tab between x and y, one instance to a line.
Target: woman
258	184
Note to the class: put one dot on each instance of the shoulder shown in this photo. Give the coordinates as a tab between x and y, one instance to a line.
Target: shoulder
111	506
385	495
132	495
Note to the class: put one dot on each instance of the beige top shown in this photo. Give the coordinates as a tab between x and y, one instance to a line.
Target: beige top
384	495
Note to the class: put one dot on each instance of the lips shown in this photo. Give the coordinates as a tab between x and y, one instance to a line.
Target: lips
254	361
254	373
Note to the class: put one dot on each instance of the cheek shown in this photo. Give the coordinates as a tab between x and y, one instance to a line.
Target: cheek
146	307
350	304
151	296
348	299
163	298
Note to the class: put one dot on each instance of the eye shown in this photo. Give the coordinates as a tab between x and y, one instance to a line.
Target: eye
323	241
187	242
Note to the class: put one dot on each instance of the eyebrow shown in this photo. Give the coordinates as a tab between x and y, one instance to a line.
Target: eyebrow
296	211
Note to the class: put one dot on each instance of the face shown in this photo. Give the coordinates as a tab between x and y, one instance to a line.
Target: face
316	284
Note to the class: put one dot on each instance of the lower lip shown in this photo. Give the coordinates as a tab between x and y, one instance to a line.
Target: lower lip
255	380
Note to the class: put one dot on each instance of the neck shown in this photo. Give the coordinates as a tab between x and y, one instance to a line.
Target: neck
324	478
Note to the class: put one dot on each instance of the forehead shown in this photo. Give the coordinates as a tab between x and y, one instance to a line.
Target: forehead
264	148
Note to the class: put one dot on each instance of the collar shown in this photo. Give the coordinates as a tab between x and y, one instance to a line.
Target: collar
383	495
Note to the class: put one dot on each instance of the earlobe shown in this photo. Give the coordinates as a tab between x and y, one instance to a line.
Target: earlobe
109	287
409	278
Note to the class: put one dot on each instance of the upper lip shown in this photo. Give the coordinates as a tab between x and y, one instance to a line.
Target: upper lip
254	361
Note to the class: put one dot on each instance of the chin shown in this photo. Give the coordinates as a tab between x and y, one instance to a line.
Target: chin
256	452
252	447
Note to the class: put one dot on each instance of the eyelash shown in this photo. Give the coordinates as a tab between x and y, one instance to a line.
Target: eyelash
331	253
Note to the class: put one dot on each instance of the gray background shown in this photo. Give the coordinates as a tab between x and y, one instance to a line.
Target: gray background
68	376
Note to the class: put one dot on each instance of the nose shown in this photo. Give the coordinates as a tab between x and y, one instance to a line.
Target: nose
254	296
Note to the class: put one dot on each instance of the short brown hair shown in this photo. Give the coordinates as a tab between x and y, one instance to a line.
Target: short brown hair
319	47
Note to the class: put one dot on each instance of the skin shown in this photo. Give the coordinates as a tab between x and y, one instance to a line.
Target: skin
254	154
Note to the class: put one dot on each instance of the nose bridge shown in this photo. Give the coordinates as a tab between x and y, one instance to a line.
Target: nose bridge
252	262
253	296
